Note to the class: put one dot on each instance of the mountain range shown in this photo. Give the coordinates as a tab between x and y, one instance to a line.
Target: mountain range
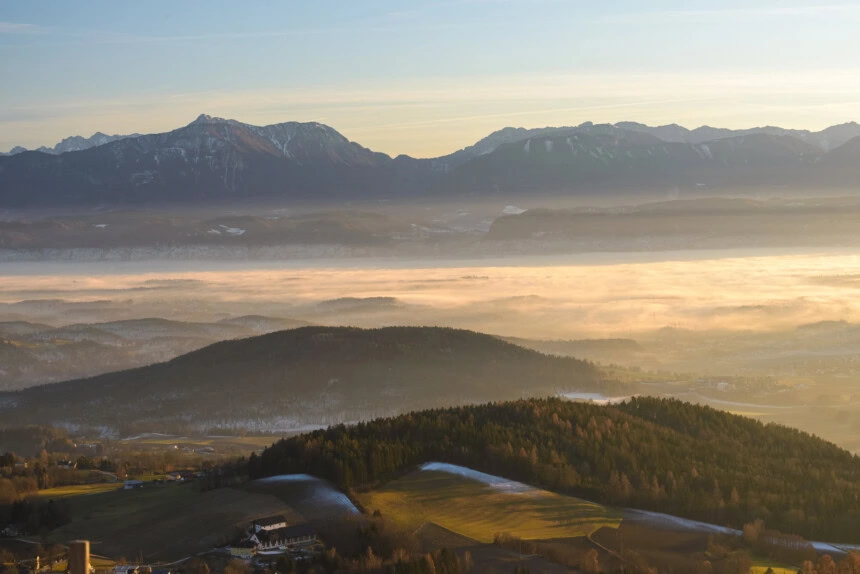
214	158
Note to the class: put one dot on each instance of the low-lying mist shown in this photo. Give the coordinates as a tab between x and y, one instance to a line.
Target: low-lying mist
584	296
767	334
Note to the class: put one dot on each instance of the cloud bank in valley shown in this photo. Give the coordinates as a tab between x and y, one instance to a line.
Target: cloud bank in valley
562	300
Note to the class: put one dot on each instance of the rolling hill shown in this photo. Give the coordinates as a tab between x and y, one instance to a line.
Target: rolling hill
646	453
32	353
307	376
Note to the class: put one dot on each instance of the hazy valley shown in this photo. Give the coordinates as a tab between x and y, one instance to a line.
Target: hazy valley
179	331
429	287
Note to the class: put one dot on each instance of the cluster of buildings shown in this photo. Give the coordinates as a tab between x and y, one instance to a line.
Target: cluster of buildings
175	476
272	535
131	569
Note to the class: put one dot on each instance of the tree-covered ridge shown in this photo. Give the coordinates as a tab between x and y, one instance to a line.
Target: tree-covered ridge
657	454
314	375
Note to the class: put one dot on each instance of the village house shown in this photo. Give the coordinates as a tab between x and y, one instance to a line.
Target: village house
182	475
272	535
285	538
269	523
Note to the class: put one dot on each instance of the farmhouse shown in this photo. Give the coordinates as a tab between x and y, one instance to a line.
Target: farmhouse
284	538
181	475
269	523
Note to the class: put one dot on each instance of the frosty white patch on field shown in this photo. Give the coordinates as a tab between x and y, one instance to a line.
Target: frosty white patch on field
512	210
286	478
596	398
667	521
495	482
234	231
321	496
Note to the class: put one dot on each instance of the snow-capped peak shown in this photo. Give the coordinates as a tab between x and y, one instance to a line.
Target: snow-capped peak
207	119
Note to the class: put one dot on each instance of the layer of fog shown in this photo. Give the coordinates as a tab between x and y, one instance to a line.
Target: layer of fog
592	296
745	331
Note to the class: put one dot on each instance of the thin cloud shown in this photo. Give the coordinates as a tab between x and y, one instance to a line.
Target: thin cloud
20	28
392	20
734	14
524	113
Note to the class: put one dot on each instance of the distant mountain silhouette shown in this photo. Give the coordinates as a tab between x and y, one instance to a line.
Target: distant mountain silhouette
213	158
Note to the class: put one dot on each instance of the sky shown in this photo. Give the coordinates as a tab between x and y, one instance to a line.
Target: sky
423	77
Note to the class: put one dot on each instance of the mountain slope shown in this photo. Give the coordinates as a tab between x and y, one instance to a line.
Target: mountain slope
311	375
209	158
648	453
826	139
606	157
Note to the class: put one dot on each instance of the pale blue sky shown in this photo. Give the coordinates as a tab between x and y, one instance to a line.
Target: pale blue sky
423	77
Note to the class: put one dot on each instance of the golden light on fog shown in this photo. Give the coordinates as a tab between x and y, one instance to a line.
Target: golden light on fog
588	299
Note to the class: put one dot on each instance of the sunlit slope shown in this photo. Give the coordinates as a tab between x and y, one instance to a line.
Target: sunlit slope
479	511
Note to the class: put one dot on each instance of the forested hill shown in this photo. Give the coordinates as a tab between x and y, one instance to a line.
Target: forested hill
305	376
649	453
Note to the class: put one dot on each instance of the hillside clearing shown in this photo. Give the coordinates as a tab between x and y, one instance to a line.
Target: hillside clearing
74	490
477	510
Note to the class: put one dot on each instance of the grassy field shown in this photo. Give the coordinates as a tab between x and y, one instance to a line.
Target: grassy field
78	490
164	523
478	511
200	441
97	562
